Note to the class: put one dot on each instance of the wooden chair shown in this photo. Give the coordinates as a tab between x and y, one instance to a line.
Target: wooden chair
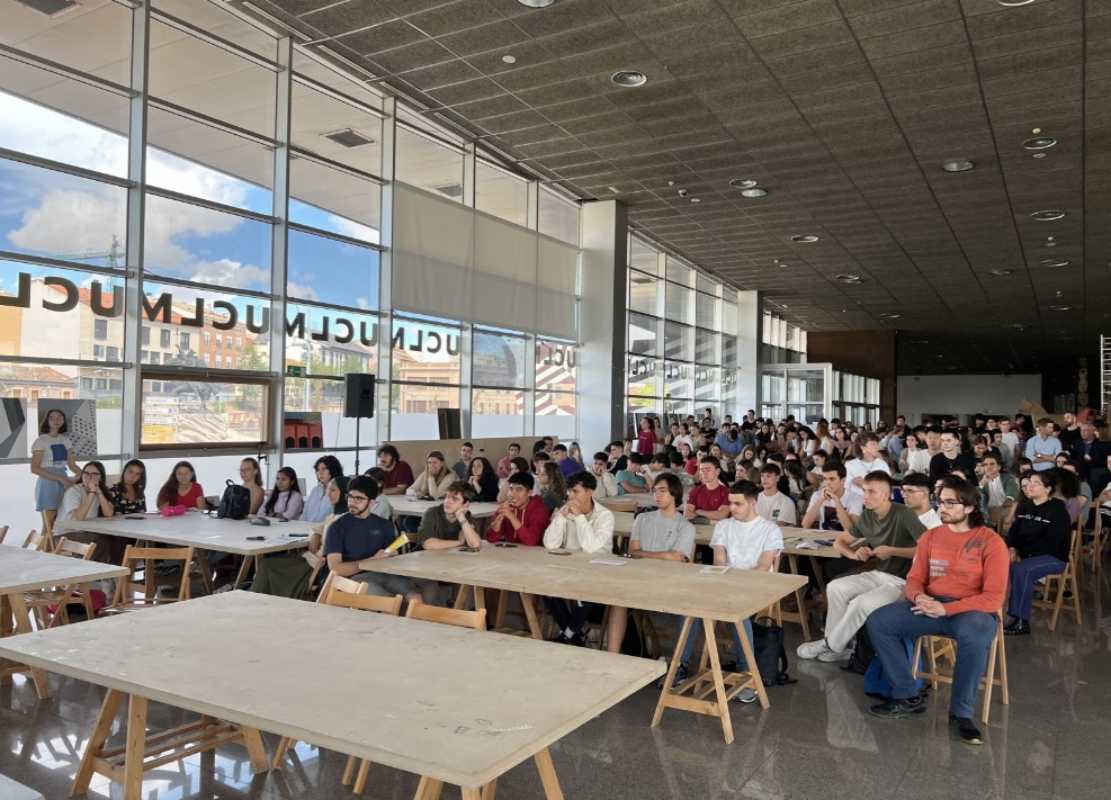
37	541
942	647
447	616
42	601
1096	549
346	593
128	586
1063	581
3	533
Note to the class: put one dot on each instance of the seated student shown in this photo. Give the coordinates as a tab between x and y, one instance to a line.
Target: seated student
954	588
678	466
358	536
380	505
581	524
868	461
287	574
1068	490
317	505
663	533
657	465
743	540
709	500
607	484
523	517
567	465
772	504
1000	492
434	480
833	508
483	480
517	465
285	499
514	451
398	473
250	475
617	460
817	463
551	486
463	465
129	494
89	498
916	497
1038	542
890	532
690	460
182	489
449	524
631	480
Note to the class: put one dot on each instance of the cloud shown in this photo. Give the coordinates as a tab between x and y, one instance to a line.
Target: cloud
32	128
227	273
72	221
355	230
301	291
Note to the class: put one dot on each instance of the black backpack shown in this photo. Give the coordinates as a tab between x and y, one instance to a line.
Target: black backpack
771	655
236	502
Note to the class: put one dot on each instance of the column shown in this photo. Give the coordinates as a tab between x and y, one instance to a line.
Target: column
750	320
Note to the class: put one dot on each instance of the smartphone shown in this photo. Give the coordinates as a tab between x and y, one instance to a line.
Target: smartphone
856	544
504	544
468	549
559	552
256	538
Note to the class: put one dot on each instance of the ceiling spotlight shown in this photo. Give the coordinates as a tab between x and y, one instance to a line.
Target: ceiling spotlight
1059	308
1051	241
682	193
848	277
1002	273
537	3
671	183
629	78
1048	215
957	165
779	263
614	189
804	238
509	59
696	199
1039	143
742	183
754	194
1054	263
890	316
1014	3
1038	155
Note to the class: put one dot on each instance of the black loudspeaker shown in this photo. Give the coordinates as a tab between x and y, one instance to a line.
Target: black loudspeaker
451	424
359	400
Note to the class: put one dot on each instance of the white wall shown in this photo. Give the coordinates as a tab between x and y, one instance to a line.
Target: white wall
965	394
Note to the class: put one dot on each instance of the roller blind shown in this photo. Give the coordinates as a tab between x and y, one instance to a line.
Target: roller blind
433	252
504	274
556	277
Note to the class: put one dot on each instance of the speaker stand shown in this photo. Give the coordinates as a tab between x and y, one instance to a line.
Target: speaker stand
357	421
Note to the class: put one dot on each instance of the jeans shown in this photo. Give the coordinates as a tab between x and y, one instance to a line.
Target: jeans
973	631
738	652
1024	575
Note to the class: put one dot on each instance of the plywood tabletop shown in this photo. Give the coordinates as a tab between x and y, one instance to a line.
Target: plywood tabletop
645	583
27	570
410	505
458	705
195	529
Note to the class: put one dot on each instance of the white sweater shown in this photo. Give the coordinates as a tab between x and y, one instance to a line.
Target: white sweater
591	533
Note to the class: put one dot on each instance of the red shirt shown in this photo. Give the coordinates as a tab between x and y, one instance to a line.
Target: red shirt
400	475
709	499
971	568
691	466
189	499
646	443
533	525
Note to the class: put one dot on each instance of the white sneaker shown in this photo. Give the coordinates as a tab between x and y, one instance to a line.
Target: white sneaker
814	649
831	656
746	695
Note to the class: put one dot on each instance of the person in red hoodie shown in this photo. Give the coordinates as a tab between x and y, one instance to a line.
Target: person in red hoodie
523	518
955	588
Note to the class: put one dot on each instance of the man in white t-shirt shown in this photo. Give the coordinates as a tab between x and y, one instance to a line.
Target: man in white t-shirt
772	504
833	507
869	461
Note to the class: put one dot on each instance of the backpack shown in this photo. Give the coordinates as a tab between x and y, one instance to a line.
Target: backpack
863	653
640	636
771	655
235	503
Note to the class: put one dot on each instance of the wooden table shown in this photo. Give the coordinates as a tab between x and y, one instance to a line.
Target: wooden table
31	570
463	707
202	532
410	506
649	584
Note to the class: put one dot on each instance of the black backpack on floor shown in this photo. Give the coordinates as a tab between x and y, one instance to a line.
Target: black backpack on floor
771	655
235	503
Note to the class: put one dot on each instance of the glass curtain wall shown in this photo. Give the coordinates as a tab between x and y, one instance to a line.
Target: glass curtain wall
781	342
190	261
856	398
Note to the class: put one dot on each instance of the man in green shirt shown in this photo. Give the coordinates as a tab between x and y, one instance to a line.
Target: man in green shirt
449	524
885	531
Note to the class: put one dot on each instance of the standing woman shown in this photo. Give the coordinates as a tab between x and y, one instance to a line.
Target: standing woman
251	474
483	480
285	501
51	455
646	439
181	489
317	505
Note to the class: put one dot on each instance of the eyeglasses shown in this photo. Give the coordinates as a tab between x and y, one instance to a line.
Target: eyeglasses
359	498
951	503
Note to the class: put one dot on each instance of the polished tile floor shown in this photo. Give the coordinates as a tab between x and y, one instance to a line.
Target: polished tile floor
816	741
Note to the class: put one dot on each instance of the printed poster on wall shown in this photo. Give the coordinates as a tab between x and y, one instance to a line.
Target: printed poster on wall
13	428
80	420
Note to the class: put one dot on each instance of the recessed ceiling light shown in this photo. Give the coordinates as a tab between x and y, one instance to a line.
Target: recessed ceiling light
1002	273
614	189
1039	143
805	238
509	59
349	138
780	264
1048	215
629	78
696	199
890	316
538	3
743	183
1060	308
1014	3
754	194
957	165
1051	241
1054	263
848	277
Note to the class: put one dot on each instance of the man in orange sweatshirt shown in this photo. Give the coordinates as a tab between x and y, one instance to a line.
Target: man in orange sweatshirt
955	588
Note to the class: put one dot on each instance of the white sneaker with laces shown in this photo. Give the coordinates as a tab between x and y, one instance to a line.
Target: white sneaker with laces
831	656
814	649
746	695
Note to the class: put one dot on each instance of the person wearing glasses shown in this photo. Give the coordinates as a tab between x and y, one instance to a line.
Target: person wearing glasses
916	497
89	498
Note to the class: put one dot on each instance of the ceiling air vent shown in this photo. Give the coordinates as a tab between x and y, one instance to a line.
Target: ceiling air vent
49	7
349	138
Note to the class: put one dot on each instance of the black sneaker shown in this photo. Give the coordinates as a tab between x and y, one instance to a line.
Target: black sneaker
967	730
681	675
898	709
559	638
579	639
1019	627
